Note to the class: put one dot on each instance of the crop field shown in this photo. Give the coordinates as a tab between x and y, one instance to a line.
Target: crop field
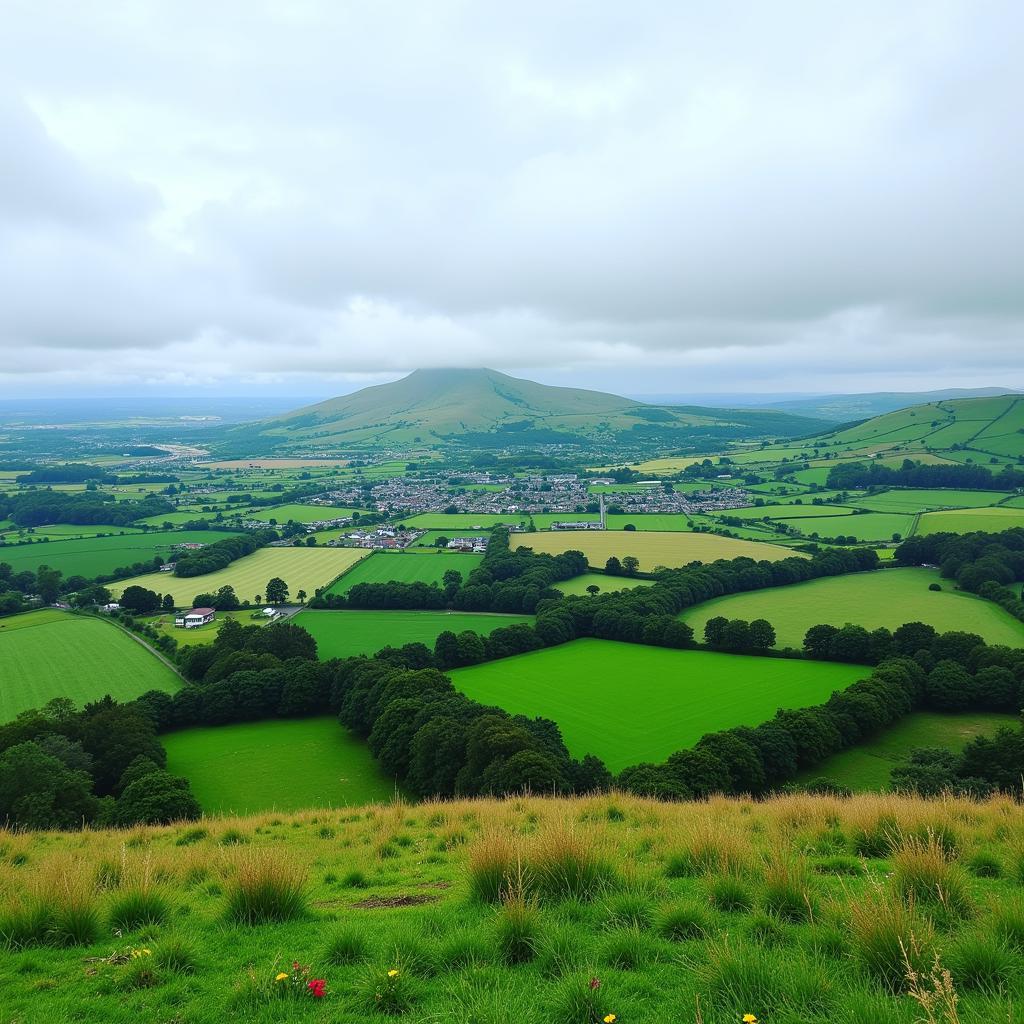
302	513
48	654
628	703
100	555
301	568
987	520
869	526
406	567
653	549
888	597
281	765
344	634
868	765
607	584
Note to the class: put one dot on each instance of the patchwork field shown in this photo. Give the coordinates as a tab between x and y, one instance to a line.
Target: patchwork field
301	513
472	521
869	526
102	555
406	567
607	584
628	703
344	634
917	500
281	765
653	549
988	520
301	568
48	654
889	597
868	765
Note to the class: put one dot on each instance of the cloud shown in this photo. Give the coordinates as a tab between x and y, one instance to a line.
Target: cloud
783	197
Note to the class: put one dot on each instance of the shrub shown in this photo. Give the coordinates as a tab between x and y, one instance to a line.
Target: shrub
138	908
266	888
347	946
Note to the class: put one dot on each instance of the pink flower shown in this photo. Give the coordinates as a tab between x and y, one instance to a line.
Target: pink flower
595	983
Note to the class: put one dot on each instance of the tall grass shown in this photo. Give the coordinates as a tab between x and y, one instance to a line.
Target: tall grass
924	872
266	887
888	934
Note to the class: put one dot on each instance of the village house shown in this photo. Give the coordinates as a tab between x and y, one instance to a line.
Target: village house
194	618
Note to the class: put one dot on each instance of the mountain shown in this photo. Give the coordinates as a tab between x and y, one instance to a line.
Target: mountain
846	408
485	408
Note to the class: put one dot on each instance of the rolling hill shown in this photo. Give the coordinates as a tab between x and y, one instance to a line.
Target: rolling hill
844	408
485	408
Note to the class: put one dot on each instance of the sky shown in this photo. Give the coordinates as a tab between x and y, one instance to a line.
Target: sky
308	196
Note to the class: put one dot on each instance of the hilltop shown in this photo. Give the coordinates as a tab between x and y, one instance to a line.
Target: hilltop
534	910
485	408
844	408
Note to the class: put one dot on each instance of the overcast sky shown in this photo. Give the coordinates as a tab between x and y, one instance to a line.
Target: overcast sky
305	196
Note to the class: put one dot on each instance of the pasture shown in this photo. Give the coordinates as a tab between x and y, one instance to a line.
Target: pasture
867	766
102	555
653	549
869	526
301	568
985	520
344	634
919	500
628	703
888	597
203	634
281	765
302	513
406	567
474	522
607	584
49	654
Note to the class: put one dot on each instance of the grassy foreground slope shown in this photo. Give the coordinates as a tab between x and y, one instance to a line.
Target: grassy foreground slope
870	599
49	654
277	765
629	703
531	910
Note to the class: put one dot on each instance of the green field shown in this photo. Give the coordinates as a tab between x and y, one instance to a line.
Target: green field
867	766
203	634
608	584
629	703
986	520
48	654
869	526
279	765
475	522
344	634
301	568
65	531
431	536
101	555
788	511
889	597
917	500
302	513
653	549
406	567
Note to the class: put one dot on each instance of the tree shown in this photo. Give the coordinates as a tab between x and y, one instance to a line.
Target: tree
630	565
140	600
714	631
157	798
277	591
48	583
301	597
168	603
762	635
613	567
928	772
593	590
38	791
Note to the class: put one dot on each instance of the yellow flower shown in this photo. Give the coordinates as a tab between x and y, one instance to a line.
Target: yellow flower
610	1018
147	952
393	973
281	977
749	1018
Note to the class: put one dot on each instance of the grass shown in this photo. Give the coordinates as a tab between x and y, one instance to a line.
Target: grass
652	549
101	555
406	567
301	568
476	522
869	526
202	634
281	765
913	499
628	703
49	654
868	765
607	584
301	513
887	598
987	520
343	634
606	934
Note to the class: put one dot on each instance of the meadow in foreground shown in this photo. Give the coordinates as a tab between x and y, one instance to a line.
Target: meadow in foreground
796	910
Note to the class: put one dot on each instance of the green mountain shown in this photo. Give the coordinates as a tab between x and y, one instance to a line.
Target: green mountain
485	408
844	408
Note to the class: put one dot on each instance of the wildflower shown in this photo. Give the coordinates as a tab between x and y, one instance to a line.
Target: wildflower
393	973
595	984
610	1018
317	988
281	977
749	1018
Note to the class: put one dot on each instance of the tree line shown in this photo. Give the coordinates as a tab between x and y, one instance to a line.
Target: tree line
858	475
44	507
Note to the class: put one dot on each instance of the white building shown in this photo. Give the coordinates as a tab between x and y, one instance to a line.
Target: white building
195	618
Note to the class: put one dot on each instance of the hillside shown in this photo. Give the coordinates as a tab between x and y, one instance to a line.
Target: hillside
533	910
844	408
485	408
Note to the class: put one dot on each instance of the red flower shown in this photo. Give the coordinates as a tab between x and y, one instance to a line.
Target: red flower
595	983
317	988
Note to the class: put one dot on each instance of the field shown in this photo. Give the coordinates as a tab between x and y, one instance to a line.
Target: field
475	522
301	568
281	765
653	549
916	500
345	634
869	526
48	654
608	584
867	766
889	597
201	634
628	703
428	539
990	520
301	513
101	555
394	911
411	567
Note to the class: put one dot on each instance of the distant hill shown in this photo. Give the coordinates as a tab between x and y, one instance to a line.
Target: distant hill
485	408
844	408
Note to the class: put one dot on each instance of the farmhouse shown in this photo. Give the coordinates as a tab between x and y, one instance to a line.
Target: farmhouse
193	619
